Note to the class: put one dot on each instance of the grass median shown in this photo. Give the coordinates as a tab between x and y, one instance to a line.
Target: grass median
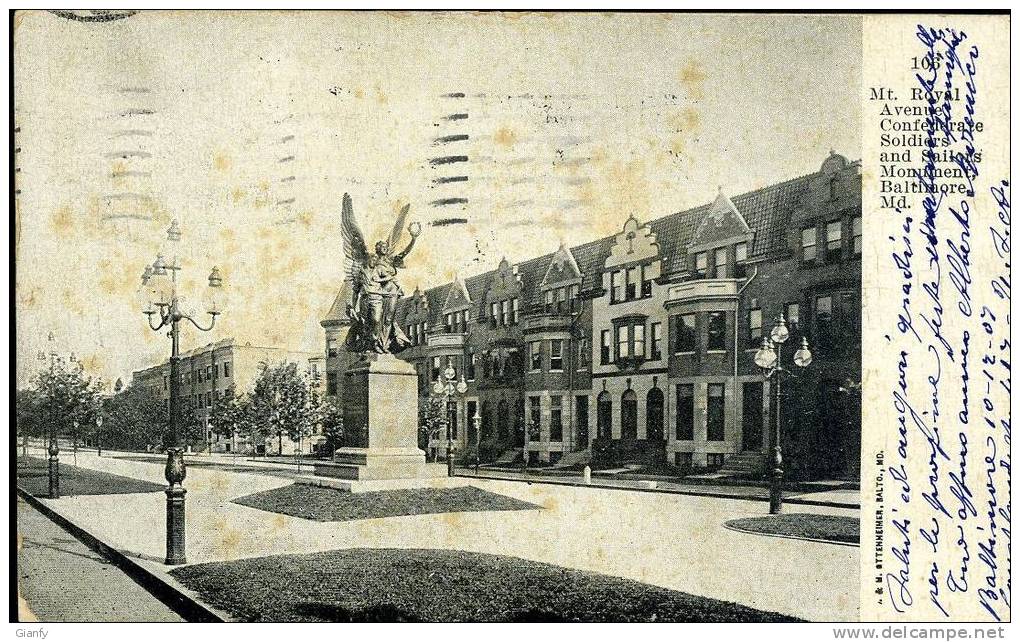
417	585
829	528
33	476
332	505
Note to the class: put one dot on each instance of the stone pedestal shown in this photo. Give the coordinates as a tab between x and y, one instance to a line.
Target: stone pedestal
380	399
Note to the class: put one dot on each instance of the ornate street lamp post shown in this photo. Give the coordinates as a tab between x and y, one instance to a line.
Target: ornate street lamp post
53	449
159	285
99	431
769	358
528	429
446	386
477	419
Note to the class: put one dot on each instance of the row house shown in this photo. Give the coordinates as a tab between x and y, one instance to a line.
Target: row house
639	347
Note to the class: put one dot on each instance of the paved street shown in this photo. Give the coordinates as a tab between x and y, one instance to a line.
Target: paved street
673	541
62	580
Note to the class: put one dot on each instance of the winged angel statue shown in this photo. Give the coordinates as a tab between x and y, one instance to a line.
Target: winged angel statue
373	285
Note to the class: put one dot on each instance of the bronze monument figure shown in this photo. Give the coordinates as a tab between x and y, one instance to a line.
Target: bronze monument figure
374	288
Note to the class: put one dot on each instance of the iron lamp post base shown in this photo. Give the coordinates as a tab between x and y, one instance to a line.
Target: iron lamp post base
175	474
54	471
776	483
175	526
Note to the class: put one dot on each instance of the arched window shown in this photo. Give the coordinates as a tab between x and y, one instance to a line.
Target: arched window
605	416
502	417
628	415
654	421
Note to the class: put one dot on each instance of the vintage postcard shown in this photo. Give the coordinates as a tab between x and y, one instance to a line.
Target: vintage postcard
450	316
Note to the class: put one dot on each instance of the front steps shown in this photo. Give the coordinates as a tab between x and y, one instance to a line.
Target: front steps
744	464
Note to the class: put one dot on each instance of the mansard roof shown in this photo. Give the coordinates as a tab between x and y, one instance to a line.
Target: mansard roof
765	213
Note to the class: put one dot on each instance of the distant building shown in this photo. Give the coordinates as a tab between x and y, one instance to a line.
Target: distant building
209	371
639	347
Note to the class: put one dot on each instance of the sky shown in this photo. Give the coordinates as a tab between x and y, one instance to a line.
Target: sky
248	127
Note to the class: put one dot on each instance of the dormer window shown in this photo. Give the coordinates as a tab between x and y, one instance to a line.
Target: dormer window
626	284
721	263
633	278
701	263
808	244
740	252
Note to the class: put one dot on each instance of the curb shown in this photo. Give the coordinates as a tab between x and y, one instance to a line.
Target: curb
752	498
797	537
172	596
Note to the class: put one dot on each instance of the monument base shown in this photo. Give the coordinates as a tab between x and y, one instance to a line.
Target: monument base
380	401
435	477
376	463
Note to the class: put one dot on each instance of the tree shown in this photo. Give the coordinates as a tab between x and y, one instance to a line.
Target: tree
134	419
431	421
65	398
192	431
232	416
29	421
331	420
281	404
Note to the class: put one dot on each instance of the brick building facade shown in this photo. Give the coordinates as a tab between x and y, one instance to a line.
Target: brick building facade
639	346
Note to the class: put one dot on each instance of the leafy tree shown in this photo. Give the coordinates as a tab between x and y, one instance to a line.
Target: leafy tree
281	404
331	420
134	419
65	398
232	415
431	420
192	430
29	420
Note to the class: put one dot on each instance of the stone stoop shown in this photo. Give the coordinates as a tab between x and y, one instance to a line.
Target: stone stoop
747	463
574	458
509	456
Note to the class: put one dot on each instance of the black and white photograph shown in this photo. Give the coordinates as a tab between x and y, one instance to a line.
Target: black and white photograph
501	317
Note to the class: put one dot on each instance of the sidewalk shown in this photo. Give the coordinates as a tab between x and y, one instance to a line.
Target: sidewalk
837	498
666	539
62	580
825	497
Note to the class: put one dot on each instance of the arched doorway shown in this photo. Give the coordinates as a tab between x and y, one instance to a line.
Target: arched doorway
654	419
628	415
605	416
